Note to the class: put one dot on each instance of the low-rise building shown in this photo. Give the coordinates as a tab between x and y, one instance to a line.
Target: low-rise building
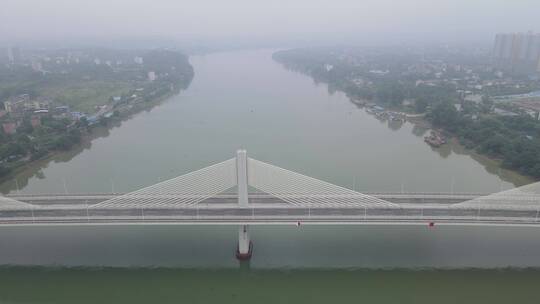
61	109
16	104
37	104
23	103
35	121
9	127
476	98
502	112
77	115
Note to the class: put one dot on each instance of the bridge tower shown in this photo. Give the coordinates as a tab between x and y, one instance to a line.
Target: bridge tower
242	177
245	246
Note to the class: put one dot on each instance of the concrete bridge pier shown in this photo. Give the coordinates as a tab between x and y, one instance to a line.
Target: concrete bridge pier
245	246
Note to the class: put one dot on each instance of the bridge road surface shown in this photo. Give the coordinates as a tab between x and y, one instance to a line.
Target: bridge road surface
412	208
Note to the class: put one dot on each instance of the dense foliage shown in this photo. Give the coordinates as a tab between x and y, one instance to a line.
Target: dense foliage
514	139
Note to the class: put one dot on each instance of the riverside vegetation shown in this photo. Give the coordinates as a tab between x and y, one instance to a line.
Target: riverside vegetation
54	98
454	88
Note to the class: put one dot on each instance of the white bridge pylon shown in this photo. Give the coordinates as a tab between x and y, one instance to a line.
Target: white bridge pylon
241	172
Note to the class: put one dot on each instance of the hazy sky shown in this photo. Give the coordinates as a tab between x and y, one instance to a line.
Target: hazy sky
442	19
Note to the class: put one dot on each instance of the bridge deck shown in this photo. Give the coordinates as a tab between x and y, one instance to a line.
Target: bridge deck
419	209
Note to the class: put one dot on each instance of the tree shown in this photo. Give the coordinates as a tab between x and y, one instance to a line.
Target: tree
4	170
420	105
82	123
391	92
25	127
487	104
444	114
494	145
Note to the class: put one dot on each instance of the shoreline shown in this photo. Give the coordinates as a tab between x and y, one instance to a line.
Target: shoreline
512	176
508	175
454	146
504	173
86	141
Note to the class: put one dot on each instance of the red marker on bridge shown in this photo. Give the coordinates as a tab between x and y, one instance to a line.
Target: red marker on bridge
431	224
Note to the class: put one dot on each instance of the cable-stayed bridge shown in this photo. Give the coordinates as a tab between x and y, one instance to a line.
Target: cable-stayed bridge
244	191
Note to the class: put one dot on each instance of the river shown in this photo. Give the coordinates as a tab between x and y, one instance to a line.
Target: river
243	99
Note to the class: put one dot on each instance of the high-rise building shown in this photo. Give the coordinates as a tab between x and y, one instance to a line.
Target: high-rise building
517	52
10	55
14	55
152	76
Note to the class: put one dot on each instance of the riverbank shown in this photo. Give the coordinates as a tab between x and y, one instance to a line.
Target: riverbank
53	110
444	143
439	107
491	164
31	167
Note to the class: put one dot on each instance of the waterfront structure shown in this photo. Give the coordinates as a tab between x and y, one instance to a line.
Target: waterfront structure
282	197
517	52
